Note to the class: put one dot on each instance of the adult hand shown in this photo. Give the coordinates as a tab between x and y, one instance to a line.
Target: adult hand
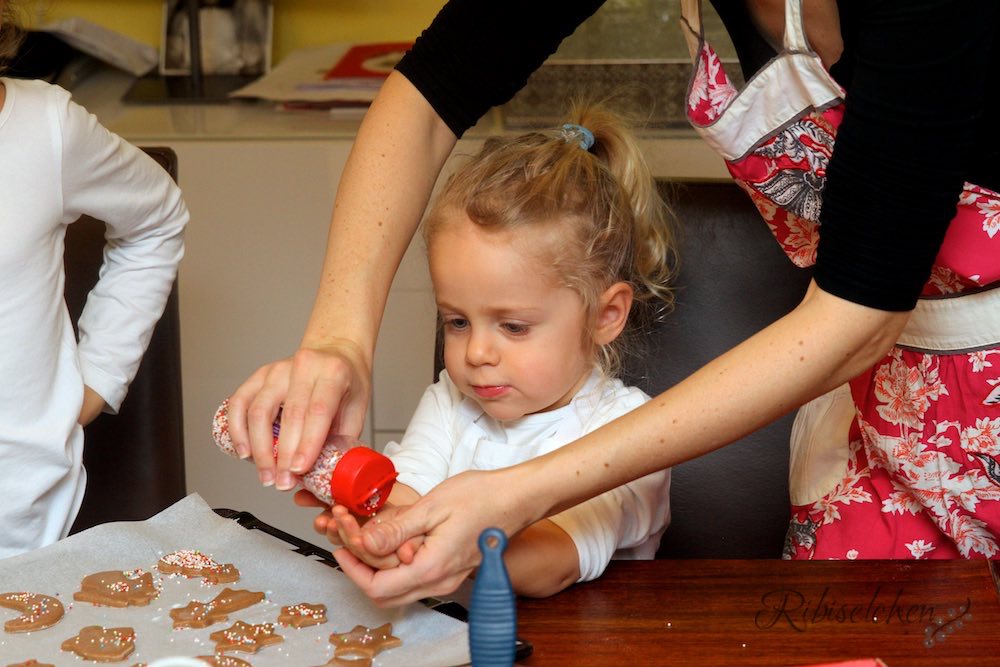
343	529
346	529
451	517
318	390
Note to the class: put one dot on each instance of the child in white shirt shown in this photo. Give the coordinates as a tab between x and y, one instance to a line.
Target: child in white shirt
57	164
543	251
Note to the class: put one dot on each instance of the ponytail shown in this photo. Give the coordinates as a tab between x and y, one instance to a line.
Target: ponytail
590	177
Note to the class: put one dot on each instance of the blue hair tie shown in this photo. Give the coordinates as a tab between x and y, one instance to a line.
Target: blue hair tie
578	133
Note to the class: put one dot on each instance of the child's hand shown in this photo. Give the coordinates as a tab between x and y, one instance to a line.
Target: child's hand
92	406
345	529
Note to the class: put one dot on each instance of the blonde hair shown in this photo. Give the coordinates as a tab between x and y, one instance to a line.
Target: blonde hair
10	33
613	224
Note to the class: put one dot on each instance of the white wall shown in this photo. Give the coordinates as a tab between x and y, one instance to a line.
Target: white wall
259	219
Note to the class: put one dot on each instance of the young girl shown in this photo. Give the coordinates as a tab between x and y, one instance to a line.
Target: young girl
546	252
57	164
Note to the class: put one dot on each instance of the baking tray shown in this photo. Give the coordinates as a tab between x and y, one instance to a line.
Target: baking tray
449	608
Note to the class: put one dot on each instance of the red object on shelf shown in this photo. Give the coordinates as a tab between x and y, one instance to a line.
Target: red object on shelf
368	61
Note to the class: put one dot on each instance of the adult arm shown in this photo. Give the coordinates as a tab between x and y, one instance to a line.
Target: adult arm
541	560
459	67
400	149
821	344
880	236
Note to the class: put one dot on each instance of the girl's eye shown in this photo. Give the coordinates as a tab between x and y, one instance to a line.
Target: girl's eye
456	323
515	329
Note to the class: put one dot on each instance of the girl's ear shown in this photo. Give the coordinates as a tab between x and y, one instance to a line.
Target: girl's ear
613	308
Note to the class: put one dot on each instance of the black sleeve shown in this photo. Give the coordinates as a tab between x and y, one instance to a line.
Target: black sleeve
477	54
914	116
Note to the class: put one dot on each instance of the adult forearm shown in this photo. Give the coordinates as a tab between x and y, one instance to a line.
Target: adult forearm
387	181
820	345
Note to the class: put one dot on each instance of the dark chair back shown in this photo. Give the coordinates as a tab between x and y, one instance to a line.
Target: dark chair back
734	280
135	459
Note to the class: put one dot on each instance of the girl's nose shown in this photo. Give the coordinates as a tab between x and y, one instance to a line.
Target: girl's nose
481	350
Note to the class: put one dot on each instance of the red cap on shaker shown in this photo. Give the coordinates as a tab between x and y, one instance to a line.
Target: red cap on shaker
362	480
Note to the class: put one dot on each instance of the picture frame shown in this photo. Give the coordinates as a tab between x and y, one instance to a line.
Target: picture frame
235	35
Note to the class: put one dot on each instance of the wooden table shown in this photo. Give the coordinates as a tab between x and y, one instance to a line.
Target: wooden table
718	613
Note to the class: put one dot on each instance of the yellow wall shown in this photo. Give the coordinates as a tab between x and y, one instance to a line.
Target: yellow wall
297	23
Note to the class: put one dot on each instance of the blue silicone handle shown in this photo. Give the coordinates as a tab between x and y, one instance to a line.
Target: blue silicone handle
493	612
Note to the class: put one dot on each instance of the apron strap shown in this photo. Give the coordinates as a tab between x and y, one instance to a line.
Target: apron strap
691	26
795	34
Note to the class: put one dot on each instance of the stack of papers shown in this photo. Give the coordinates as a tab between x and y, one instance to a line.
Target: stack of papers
329	76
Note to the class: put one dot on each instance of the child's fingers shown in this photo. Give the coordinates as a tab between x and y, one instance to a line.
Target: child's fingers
304	498
408	549
347	528
348	533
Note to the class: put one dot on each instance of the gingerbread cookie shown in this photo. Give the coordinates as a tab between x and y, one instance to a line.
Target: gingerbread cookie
118	588
302	615
30	663
248	637
191	563
102	644
347	662
223	660
37	611
203	614
362	642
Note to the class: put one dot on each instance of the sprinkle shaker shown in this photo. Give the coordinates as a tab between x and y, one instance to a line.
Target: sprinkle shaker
347	471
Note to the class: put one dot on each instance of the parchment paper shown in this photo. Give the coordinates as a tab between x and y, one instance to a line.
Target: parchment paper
266	564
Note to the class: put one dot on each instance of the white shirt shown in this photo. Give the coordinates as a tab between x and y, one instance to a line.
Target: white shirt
57	163
450	433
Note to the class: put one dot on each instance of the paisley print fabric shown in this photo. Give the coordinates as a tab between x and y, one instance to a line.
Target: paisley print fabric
922	477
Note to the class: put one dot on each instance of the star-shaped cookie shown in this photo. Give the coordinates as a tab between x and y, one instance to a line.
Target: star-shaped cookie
363	642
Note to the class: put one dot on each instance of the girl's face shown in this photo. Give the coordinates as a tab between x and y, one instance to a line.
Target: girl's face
514	339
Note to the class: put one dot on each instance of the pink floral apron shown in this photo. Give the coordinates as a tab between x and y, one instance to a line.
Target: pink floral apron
904	462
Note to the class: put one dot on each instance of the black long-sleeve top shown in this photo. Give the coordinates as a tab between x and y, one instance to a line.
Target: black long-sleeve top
922	104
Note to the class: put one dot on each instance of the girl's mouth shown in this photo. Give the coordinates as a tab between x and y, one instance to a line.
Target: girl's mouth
490	391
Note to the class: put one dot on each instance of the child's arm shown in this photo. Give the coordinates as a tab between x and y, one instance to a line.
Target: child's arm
106	177
587	536
92	406
542	560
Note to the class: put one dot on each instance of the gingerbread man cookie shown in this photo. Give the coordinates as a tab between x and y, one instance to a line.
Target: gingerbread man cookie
362	642
248	637
117	588
102	644
223	660
203	614
31	663
192	563
302	615
37	611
